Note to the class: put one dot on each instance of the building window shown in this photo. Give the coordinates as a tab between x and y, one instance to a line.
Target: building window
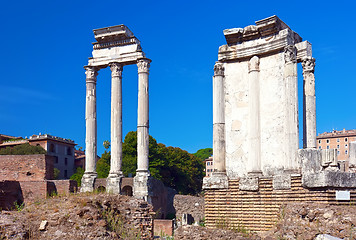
52	148
338	152
65	174
327	140
345	139
338	140
69	151
208	163
319	141
346	152
319	147
66	161
211	163
327	147
338	146
345	145
56	160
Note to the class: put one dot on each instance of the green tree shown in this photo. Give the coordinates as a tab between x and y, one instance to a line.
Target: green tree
77	176
204	153
56	173
22	149
103	165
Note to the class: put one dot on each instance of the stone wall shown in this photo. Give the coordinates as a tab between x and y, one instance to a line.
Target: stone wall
259	210
190	205
34	167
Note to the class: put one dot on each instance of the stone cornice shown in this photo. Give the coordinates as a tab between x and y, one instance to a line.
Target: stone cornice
257	47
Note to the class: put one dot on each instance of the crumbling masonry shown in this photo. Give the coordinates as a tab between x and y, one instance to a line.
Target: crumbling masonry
258	165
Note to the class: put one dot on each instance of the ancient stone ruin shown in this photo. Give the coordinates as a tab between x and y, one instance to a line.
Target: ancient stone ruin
258	164
116	47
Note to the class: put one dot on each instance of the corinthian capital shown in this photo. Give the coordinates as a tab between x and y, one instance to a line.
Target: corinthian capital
290	54
91	73
254	64
116	69
143	65
308	64
219	69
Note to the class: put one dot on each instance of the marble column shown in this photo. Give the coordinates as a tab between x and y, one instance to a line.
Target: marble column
219	119
113	182
309	108
291	108
90	174
141	180
254	111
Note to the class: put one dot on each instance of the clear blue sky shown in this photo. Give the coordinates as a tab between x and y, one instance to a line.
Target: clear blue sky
45	44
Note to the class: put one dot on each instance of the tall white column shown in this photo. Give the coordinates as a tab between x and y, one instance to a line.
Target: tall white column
291	107
141	180
254	123
309	108
113	182
91	131
219	118
218	179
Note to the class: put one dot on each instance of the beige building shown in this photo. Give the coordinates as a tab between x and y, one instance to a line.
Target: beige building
339	140
209	168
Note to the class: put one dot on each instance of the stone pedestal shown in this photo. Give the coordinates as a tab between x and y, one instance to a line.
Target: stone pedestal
217	180
113	183
88	181
142	186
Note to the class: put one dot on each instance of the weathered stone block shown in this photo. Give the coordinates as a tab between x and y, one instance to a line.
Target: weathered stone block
281	182
248	184
215	181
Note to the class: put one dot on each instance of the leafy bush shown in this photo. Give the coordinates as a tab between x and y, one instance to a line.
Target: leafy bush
22	149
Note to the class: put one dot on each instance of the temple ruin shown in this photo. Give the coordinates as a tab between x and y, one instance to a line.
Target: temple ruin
117	47
258	165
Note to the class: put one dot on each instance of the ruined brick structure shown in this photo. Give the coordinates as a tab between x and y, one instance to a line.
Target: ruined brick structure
27	178
257	164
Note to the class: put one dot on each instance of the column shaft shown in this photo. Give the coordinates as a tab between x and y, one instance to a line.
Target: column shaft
291	107
309	108
90	121
116	118
219	118
254	123
142	116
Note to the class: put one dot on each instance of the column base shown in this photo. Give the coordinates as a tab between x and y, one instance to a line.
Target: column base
142	186
217	180
88	181
113	183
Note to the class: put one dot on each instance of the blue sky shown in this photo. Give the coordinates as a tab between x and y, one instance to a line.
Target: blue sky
45	44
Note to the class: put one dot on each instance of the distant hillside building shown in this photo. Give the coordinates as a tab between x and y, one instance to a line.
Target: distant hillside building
209	166
62	149
339	140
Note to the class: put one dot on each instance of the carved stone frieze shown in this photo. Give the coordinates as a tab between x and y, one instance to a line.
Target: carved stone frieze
219	69
290	54
143	65
254	64
116	69
308	64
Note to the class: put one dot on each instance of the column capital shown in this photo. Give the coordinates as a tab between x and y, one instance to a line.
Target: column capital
91	73
308	64
219	69
290	54
116	69
254	64
143	65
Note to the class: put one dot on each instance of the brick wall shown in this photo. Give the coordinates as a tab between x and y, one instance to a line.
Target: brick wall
10	192
259	210
26	167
